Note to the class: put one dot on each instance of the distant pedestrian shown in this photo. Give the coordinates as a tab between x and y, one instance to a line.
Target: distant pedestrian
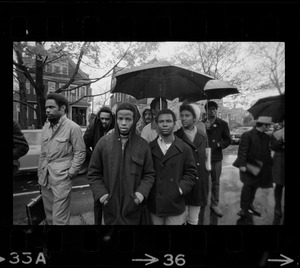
20	146
98	127
146	118
218	138
175	171
278	170
254	149
150	131
62	155
197	141
121	171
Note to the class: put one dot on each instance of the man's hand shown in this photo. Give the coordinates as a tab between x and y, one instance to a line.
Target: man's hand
139	198
242	169
103	199
207	124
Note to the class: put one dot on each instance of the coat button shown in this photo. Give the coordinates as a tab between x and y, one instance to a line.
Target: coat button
196	150
198	164
171	180
213	140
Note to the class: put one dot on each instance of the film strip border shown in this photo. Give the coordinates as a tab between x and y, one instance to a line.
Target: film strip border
229	21
134	246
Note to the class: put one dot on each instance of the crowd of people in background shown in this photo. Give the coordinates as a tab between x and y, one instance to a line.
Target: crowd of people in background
151	168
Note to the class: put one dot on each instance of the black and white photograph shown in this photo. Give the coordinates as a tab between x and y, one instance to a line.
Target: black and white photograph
148	133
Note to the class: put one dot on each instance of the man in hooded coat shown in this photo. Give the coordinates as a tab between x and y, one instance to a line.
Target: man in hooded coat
121	171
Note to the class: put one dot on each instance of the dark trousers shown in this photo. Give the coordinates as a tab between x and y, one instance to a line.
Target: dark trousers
216	169
98	213
248	195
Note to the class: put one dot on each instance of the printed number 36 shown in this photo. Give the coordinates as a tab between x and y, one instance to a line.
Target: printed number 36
179	260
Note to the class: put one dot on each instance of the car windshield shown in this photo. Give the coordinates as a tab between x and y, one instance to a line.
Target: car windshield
33	137
241	129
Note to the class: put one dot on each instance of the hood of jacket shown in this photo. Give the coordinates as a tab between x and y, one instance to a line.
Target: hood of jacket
112	121
136	117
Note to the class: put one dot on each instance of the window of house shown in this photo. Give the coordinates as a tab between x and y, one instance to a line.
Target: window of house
119	97
34	112
51	87
65	70
56	69
27	87
49	68
82	91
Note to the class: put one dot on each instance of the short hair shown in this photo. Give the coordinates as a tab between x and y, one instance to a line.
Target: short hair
127	106
157	100
165	111
59	99
187	107
211	104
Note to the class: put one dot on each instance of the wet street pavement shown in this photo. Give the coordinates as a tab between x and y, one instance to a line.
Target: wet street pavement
230	190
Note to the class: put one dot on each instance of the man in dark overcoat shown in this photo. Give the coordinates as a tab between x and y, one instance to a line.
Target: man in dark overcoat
218	139
175	173
254	148
121	171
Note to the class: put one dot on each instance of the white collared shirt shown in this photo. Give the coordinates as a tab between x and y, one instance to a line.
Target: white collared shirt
163	146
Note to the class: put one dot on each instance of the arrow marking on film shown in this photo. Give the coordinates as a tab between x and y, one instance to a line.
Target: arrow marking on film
285	261
2	259
150	261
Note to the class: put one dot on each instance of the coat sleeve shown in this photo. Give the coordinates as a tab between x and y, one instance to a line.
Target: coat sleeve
226	139
275	144
95	173
189	177
243	151
88	138
20	145
148	175
79	150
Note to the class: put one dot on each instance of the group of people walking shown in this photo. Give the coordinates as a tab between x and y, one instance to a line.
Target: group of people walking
152	173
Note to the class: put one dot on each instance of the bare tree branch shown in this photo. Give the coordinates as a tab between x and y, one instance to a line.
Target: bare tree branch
87	96
25	103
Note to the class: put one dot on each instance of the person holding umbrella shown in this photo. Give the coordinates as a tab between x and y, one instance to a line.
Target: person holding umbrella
150	131
255	163
218	138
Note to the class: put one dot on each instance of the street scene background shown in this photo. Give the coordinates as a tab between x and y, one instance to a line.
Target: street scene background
85	73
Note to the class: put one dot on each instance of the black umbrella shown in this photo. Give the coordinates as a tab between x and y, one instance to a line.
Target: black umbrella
270	106
160	79
214	89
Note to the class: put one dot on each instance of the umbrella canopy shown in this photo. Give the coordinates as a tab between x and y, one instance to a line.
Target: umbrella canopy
160	79
214	89
270	106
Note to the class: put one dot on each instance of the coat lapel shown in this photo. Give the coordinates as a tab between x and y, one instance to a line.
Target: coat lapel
174	149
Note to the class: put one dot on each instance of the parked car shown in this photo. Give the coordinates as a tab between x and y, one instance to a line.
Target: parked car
236	134
29	162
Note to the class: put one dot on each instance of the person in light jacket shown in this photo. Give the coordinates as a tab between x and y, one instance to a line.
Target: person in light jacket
175	173
121	171
62	155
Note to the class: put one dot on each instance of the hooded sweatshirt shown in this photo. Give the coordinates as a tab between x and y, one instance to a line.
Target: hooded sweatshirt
95	130
121	173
